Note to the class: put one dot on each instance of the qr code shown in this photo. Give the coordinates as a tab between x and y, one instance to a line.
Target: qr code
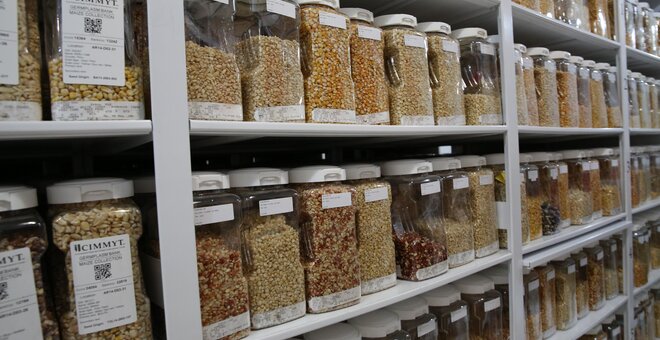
102	271
93	25
3	291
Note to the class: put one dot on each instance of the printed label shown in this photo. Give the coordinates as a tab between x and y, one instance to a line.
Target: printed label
534	285
584	73
458	314
332	20
613	248
563	169
571	269
19	311
375	194
9	42
657	229
374	118
226	2
461	183
551	67
414	41
280	113
329	201
572	69
528	63
486	180
426	328
275	206
451	120
281	7
533	175
502	216
432	271
450	46
378	284
586	166
214	214
321	303
597	76
419	120
554	173
583	262
367	32
12	110
615	162
215	111
550	275
278	315
616	331
487	49
333	115
599	256
226	327
594	166
646	162
611	77
97	110
430	188
492	304
103	283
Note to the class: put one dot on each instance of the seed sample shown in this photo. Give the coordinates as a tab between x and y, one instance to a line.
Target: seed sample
598	107
530	90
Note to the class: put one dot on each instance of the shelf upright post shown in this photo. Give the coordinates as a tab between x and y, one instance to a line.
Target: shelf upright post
171	142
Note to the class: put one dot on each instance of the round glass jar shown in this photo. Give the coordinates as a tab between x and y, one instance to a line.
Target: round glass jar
619	265
545	79
579	192
565	292
612	328
641	253
500	276
644	160
531	4
450	311
569	114
534	197
564	205
581	283
547	295
654	155
634	106
640	35
596	191
596	270
611	277
568	11
415	318
484	306
636	178
530	85
612	101
380	324
584	92
610	189
597	89
532	304
340	330
549	177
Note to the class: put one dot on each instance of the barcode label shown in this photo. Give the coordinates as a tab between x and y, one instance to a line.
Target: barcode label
599	256
458	314
367	32
550	276
275	206
528	63
554	173
571	269
414	41
430	188
583	262
426	328
214	214
487	49
534	285
594	166
332	20
615	162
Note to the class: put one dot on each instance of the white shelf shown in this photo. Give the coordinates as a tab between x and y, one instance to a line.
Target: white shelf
527	132
646	206
73	129
640	61
654	278
591	320
403	290
644	132
570	233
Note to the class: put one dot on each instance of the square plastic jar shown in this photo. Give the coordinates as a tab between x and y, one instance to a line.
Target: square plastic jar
547	295
484	306
380	324
416	319
545	76
579	191
534	197
500	276
581	283
340	330
532	302
641	253
596	270
596	186
597	90
565	292
549	177
610	249
569	114
612	101
564	205
610	182
450	311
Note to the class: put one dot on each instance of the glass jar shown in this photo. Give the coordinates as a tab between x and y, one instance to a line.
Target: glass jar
407	68
654	241
481	91
598	107
547	295
531	4
612	102
653	99
23	242
500	276
648	27
611	280
545	76
634	106
568	11
564	205
532	304
445	73
584	92
644	99
610	190
566	88
416	319
641	254
327	217
419	234
100	78
270	238
547	8
495	40
595	333
105	218
656	32
534	197
340	330
484	306
612	328
380	324
530	86
596	192
549	176
482	204
579	191
581	283
326	63
596	270
521	96
450	311
457	221
629	15
565	292
599	18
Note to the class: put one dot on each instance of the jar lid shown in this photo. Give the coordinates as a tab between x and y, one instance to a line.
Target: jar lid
474	284
469	32
395	20
629	73
650	80
525	158
612	69
338	331
316	174
209	180
443	296
17	198
635	74
642	77
409	309
541	156
376	324
494	39
600	152
144	185
536	51
576	59
469	161
434	27
588	63
520	48
644	5
499	275
358	13
257	177
88	190
406	167
602	66
361	171
574	154
495	159
636	149
332	3
560	55
445	163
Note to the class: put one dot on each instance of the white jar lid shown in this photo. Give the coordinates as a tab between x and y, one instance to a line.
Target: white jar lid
612	69
17	198
395	20
634	2
409	309
494	39
525	158
257	177
474	284
560	55
434	27
358	13
209	180
573	154
443	296
144	185
636	149
541	156
629	73
406	167
495	159
332	3
469	32
88	190
317	173
602	66
338	331
644	5
603	152
576	59
361	171
642	77
656	14
498	274
520	48
445	163
376	324
650	80
588	63
470	161
536	51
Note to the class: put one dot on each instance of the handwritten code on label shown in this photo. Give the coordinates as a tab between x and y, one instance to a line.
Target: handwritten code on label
375	194
367	32
332	20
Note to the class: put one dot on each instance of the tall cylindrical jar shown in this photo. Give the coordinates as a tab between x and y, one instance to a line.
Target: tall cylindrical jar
568	11
450	311
579	191
599	19
534	197
565	289
581	283
479	70
521	96
484	306
545	79
654	155
595	333
594	179
584	92
380	324
564	202
610	183
629	14
532	303
530	86
407	68
326	63
598	103
644	99
612	101
547	295
596	271
445	73
633	100
566	89
611	279
368	68
649	26
549	177
330	252
645	181
415	318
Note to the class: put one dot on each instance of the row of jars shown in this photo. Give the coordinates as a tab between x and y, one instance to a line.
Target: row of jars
644	174
646	246
643	99
641	26
646	319
610	329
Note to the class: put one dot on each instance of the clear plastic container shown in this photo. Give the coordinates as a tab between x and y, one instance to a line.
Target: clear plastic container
581	283
584	14
654	241
484	306
619	265
326	63
368	68
633	101
596	270
610	183
530	86
23	242
407	68
653	98
450	311
482	204
419	234
564	203
636	178
645	181
612	328
270	244
600	19
416	319
545	76
565	292
612	102
596	192
584	92
374	227
92	78
568	11
579	186
340	330
656	15
549	177
330	252
569	114
654	155
611	280
547	294
481	91
594	334
629	13
531	4
379	325
445	73
457	220
534	197
521	95
641	254
500	276
648	307
532	304
644	99
547	8
649	26
598	106
656	308
92	214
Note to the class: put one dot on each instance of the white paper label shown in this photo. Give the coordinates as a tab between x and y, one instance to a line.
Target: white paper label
333	115
571	269
586	166
534	285
103	283
275	206
19	311
378	284
584	73
461	183
374	118
554	173
599	256
342	199
451	120
322	303
367	32
550	275
551	67
279	113
583	262
226	2
419	120
487	49
458	314
594	166
597	76
426	328
215	111
432	271
492	304
657	229
214	214
375	194
616	331
97	110
414	41
430	188
533	175
226	327
8	42
279	315
281	7
502	216
528	63
611	77
563	169
332	20
613	248
13	110
615	162
450	46
572	69
486	180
